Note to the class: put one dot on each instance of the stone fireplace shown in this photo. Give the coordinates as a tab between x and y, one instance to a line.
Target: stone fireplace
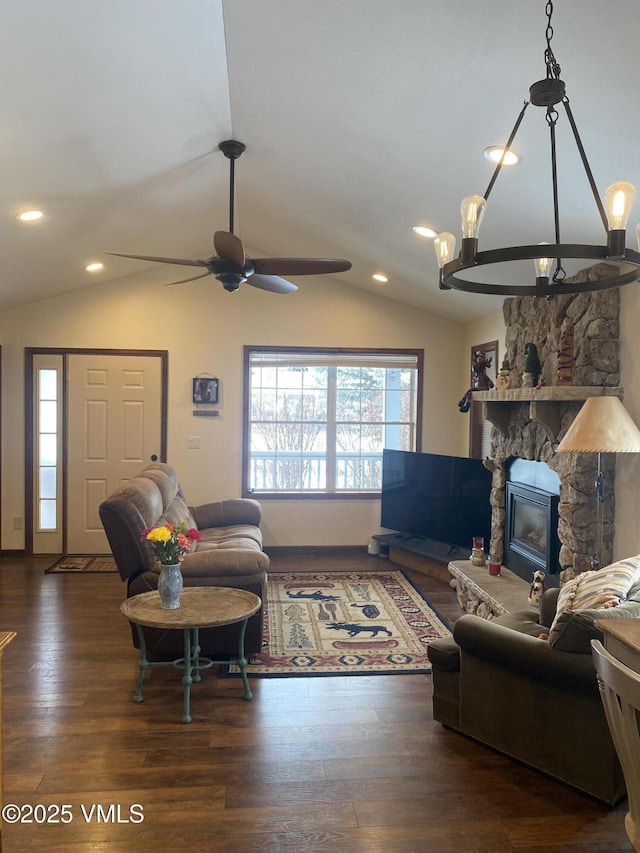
529	422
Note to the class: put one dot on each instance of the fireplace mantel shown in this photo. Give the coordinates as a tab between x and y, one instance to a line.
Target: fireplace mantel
544	408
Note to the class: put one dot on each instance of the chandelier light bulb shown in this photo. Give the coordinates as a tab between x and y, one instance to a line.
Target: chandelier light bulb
542	264
618	201
445	246
472	210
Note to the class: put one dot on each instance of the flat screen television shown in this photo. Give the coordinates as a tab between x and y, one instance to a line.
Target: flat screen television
445	498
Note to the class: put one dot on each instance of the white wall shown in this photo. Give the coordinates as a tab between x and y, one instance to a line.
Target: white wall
204	329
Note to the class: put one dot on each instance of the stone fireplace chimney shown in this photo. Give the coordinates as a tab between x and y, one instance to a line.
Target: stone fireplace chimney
529	422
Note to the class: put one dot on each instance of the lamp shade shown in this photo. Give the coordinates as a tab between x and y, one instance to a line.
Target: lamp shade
603	425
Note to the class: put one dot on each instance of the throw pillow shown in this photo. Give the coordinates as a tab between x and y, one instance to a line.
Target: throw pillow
581	599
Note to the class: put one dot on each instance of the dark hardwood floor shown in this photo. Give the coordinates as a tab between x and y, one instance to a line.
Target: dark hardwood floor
347	765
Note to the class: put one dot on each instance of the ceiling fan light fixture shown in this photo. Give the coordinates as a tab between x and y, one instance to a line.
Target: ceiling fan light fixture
95	266
30	215
547	93
381	277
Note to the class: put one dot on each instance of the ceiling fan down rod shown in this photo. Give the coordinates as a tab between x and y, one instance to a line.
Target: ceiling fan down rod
232	149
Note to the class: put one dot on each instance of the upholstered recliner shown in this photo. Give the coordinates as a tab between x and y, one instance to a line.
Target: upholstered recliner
534	699
229	553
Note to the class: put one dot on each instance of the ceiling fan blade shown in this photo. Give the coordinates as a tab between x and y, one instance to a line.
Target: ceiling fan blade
300	266
185	280
228	246
181	261
272	283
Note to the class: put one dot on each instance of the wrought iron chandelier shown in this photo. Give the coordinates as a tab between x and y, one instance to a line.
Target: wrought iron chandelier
614	213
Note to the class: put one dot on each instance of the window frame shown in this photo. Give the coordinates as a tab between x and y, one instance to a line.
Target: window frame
249	350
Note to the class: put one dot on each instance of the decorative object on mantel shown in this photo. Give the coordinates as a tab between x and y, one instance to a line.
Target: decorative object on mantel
614	213
503	380
603	425
564	370
479	379
205	389
532	367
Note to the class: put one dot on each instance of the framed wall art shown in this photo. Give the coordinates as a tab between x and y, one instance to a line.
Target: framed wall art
205	389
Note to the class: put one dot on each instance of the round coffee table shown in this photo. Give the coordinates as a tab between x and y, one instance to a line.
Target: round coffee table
200	607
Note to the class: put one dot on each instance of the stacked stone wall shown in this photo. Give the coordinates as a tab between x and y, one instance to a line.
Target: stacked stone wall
592	320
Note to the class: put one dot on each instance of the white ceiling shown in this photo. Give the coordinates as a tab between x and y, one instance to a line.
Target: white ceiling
361	118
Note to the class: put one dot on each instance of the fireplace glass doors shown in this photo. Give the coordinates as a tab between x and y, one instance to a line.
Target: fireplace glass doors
531	532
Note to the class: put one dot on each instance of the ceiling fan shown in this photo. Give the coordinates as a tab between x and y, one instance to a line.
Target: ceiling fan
232	267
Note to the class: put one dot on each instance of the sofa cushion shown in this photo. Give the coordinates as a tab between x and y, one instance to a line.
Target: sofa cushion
589	597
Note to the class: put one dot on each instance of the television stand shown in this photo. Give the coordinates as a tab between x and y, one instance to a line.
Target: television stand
428	556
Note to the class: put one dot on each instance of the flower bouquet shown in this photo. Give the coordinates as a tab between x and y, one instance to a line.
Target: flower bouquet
170	542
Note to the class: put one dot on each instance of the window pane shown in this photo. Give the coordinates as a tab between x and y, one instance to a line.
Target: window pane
48	389
48	449
48	412
48	483
348	406
47	515
372	406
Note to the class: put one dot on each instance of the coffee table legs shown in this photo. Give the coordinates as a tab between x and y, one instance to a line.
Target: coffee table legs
192	664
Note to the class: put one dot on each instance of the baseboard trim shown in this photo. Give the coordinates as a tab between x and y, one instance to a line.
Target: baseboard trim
314	550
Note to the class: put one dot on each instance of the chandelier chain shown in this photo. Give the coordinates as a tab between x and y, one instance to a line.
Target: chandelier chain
553	69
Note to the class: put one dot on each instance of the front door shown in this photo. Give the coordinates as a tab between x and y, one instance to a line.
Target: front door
114	429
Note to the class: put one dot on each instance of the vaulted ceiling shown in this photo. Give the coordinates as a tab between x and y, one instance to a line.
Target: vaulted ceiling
361	119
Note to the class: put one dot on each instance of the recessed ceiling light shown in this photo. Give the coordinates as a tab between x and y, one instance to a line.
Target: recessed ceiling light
30	215
496	152
378	276
94	267
425	231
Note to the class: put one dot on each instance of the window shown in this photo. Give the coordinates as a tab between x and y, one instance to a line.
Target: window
316	421
47	452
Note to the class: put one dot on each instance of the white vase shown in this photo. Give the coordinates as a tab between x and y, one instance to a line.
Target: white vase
170	586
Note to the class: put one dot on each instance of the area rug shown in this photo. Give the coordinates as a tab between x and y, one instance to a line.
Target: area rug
81	565
349	623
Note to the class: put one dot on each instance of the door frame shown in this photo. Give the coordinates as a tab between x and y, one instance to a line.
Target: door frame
66	352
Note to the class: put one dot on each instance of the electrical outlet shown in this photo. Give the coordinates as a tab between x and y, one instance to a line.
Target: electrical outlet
193	442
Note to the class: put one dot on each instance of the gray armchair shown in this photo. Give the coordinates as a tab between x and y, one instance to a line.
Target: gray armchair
229	552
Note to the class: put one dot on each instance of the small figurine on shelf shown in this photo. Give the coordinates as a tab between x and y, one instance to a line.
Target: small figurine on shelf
479	379
503	380
532	366
479	364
